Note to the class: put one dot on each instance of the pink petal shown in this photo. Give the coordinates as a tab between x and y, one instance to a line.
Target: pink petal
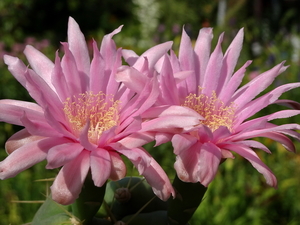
16	67
209	161
134	140
187	61
169	93
261	132
202	51
132	78
254	106
251	156
254	144
228	90
100	166
118	168
84	139
183	142
282	139
230	59
60	155
153	173
153	55
213	69
159	181
59	80
186	164
138	156
24	157
78	47
68	183
40	63
77	82
129	56
98	75
19	139
13	110
173	110
39	128
246	93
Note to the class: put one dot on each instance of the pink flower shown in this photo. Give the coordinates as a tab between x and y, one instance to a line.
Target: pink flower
206	83
80	115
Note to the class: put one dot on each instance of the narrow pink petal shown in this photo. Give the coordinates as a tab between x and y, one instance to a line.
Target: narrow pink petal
159	181
246	93
129	56
68	183
84	138
228	90
282	139
17	68
60	155
187	162
202	51
118	168
138	156
183	142
153	173
209	161
172	124
143	101
108	48
230	59
289	103
153	55
132	78
112	85
169	93
100	166
213	69
186	58
59	80
261	132
173	110
161	138
19	139
77	82
43	94
134	140
251	156
254	144
98	75
246	111
40	128
13	110
40	63
24	157
259	123
221	133
78	47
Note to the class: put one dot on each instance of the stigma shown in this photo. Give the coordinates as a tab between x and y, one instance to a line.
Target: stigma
215	112
99	110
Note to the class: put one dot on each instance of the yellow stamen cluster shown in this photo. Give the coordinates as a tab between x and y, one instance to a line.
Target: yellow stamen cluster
101	112
214	111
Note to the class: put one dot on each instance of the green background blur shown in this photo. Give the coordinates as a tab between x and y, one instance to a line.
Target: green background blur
238	195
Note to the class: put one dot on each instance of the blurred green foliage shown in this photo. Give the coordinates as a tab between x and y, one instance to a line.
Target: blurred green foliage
239	194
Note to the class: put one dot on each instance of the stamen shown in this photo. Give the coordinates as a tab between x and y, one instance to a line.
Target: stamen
214	111
101	112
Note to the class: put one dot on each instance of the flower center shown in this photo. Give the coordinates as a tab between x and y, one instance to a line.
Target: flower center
214	111
100	111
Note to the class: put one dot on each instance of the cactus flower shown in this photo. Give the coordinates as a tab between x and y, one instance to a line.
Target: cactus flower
81	111
206	82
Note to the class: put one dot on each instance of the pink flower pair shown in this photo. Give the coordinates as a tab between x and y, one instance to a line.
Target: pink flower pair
89	112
